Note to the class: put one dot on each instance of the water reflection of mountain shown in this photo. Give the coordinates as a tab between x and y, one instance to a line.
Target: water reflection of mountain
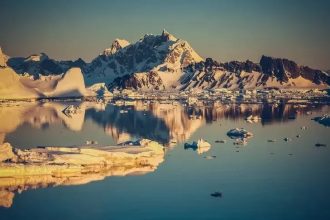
164	123
168	123
131	124
269	113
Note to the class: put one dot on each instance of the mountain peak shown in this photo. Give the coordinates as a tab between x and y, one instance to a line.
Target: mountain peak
116	45
37	57
167	36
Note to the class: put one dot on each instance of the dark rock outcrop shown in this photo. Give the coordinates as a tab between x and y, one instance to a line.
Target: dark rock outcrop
284	69
150	80
238	67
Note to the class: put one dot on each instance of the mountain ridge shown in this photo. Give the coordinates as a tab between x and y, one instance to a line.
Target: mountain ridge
164	62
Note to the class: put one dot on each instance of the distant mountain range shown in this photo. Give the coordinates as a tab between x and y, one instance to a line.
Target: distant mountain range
162	62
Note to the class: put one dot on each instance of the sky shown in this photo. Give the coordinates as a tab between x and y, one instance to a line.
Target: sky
222	29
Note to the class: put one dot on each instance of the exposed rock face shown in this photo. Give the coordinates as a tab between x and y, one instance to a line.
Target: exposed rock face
237	67
53	166
137	81
271	72
117	45
211	74
284	69
316	76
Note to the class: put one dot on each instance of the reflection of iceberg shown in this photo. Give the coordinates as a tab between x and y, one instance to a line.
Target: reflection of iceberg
12	116
39	115
75	121
54	166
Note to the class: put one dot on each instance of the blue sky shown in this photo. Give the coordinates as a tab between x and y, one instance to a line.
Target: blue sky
222	29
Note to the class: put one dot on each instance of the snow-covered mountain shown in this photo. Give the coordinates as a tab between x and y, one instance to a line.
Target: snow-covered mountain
155	62
153	53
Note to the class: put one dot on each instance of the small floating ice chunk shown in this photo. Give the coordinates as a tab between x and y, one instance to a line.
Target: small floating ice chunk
287	139
91	142
123	111
239	133
201	146
203	143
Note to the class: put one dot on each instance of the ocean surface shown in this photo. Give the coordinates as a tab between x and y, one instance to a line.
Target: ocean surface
259	180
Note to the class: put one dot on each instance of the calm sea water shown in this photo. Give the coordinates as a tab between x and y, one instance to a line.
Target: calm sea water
262	180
